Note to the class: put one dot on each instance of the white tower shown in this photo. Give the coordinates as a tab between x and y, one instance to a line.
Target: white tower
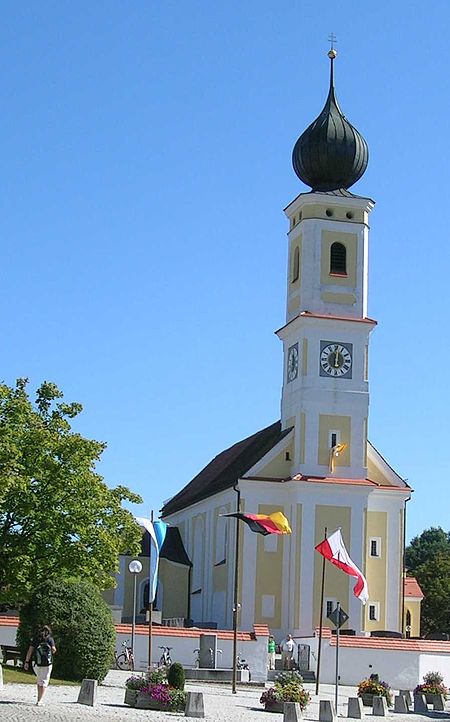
325	392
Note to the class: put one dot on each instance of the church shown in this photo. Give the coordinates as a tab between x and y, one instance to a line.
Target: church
316	464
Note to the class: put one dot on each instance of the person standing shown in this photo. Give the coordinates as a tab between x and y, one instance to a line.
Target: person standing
271	652
41	649
287	652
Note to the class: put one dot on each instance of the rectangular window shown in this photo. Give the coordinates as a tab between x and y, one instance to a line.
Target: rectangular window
334	438
374	612
328	606
268	606
375	546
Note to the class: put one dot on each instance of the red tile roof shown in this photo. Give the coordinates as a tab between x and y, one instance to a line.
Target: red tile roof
412	588
429	646
9	621
259	630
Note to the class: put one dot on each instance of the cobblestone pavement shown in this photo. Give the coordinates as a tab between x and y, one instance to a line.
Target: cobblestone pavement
17	704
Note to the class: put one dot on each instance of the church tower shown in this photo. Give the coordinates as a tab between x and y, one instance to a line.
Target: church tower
325	392
315	465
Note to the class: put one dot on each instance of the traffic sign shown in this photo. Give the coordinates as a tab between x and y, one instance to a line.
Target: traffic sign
338	617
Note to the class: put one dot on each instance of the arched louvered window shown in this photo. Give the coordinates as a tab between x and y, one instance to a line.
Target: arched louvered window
295	265
338	259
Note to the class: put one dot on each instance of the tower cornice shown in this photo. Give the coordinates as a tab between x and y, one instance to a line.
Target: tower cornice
307	316
313	198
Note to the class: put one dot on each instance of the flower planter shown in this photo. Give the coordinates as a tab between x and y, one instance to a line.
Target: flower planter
274	707
131	696
367	699
146	702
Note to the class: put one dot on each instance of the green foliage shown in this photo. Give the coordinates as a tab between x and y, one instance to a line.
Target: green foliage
433	683
175	676
58	519
157	675
136	681
428	559
434	678
288	688
177	700
285	678
372	685
82	627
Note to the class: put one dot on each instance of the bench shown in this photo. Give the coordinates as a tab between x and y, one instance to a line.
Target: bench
10	652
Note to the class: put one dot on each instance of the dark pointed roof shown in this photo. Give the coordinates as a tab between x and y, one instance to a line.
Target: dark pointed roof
330	154
226	468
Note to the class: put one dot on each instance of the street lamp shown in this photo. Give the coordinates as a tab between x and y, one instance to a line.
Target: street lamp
135	568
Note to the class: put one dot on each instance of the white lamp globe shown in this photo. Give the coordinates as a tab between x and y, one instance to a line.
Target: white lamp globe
135	566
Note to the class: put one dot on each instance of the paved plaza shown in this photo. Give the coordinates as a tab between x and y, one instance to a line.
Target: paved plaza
17	704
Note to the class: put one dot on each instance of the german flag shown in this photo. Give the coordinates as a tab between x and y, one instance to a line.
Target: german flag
275	523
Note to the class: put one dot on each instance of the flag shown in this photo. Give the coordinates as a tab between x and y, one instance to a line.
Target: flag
333	549
275	523
334	453
157	531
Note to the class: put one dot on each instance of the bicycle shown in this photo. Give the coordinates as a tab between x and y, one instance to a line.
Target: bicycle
125	660
165	660
241	663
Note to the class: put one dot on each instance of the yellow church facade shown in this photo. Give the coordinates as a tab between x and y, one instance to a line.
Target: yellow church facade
316	463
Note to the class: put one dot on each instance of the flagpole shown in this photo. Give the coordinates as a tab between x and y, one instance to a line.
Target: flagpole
336	685
319	652
150	600
236	590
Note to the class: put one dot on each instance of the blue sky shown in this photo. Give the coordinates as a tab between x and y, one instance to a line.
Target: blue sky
145	154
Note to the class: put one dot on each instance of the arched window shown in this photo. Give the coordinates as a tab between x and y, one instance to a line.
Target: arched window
221	537
408	623
338	259
199	537
295	265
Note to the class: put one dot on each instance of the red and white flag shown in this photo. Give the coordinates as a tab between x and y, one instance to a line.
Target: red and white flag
333	549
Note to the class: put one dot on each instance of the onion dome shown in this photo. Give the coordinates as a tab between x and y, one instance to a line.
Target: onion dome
330	154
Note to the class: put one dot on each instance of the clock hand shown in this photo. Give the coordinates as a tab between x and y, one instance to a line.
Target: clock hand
336	360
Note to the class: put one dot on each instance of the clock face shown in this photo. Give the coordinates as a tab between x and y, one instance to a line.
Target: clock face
292	363
336	359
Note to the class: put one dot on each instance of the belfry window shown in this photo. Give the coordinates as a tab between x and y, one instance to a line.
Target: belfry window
338	259
295	265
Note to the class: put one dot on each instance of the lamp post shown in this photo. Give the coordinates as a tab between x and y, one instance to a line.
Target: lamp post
135	568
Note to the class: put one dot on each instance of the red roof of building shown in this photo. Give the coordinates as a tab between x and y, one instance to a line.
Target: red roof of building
259	630
412	588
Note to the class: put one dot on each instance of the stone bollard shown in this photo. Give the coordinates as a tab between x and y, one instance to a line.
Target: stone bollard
355	708
1	676
406	693
292	712
380	708
194	705
420	704
401	704
88	692
439	702
327	713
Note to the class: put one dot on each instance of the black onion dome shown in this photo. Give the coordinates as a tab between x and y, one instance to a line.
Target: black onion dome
330	154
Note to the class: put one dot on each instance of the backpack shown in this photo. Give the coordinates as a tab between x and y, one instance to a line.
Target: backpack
43	655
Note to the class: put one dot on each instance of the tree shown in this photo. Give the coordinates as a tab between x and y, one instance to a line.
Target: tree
428	559
58	519
81	625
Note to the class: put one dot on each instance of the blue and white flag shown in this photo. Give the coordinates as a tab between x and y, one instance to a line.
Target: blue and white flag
157	531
